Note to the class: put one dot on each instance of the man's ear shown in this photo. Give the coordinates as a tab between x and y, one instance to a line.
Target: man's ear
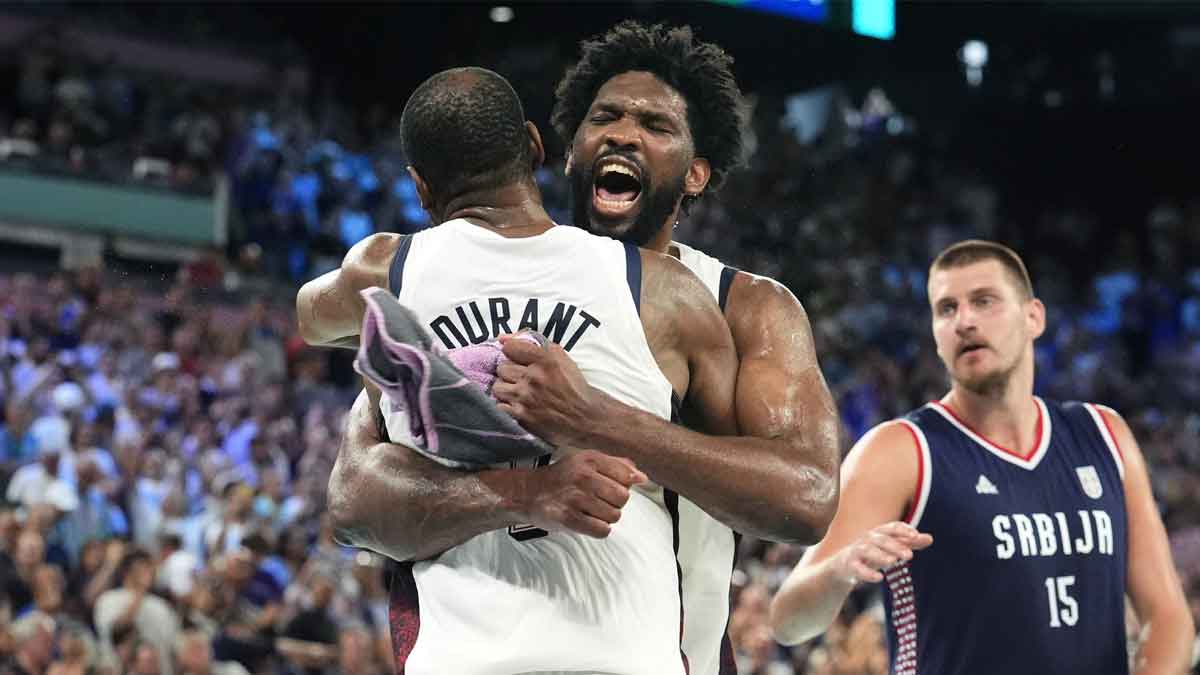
1036	318
423	192
697	177
536	147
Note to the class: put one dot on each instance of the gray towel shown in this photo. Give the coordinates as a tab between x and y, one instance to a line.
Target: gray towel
445	393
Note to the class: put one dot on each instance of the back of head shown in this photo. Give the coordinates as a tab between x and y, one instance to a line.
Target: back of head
972	251
257	544
169	541
464	129
130	563
701	72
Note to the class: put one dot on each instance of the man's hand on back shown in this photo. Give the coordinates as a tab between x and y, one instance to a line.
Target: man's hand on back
543	389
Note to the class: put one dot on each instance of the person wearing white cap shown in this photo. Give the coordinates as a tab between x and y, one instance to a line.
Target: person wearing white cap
37	481
68	401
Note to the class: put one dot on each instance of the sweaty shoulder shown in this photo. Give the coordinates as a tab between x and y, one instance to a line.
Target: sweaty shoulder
367	262
680	316
755	299
668	283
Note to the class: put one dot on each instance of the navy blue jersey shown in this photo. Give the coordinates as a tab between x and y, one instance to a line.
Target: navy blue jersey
1027	569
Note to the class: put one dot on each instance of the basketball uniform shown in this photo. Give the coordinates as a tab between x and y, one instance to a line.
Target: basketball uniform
522	600
1027	569
706	547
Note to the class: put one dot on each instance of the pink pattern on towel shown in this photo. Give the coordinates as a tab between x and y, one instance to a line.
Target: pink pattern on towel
479	362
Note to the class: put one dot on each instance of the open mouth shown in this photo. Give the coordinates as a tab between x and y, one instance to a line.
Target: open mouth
616	187
971	347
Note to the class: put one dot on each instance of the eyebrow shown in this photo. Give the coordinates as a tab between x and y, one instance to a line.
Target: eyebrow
984	289
647	113
973	292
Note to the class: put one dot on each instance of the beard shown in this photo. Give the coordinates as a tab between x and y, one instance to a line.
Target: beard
990	384
656	204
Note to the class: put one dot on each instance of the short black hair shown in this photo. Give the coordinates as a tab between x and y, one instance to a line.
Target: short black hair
133	557
464	129
256	544
701	72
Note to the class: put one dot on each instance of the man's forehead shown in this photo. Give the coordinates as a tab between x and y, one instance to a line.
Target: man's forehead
966	278
641	89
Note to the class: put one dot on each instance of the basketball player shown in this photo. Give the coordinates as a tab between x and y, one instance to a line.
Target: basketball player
520	585
1008	528
653	119
681	136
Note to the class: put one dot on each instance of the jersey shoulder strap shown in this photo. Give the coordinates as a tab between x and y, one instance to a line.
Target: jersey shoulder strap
396	269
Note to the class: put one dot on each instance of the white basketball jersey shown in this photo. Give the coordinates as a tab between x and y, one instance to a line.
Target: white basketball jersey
523	601
706	546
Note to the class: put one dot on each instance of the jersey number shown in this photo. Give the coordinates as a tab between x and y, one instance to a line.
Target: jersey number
1063	608
527	532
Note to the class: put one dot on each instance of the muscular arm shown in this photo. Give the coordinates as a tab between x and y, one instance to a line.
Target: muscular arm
784	409
878	484
1152	581
387	498
778	480
329	308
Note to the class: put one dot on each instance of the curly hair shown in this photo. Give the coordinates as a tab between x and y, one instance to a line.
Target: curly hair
464	128
700	71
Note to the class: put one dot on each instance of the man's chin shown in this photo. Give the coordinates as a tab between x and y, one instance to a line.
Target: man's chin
609	226
982	383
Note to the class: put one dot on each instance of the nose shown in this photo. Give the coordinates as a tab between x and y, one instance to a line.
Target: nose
964	321
622	134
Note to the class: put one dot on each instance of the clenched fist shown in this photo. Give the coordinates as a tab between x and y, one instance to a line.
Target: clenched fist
583	492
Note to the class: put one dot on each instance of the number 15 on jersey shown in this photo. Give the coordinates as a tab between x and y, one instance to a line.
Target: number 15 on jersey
1063	607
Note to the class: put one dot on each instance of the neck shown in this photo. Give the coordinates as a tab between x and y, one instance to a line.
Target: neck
1005	413
513	210
662	240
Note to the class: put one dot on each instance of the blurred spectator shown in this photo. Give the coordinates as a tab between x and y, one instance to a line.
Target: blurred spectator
193	656
34	639
37	482
97	572
48	586
309	642
247	628
77	652
148	660
95	516
178	569
224	535
18	443
133	606
29	556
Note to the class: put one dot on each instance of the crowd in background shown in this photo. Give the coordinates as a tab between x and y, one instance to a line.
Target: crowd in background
164	463
165	447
